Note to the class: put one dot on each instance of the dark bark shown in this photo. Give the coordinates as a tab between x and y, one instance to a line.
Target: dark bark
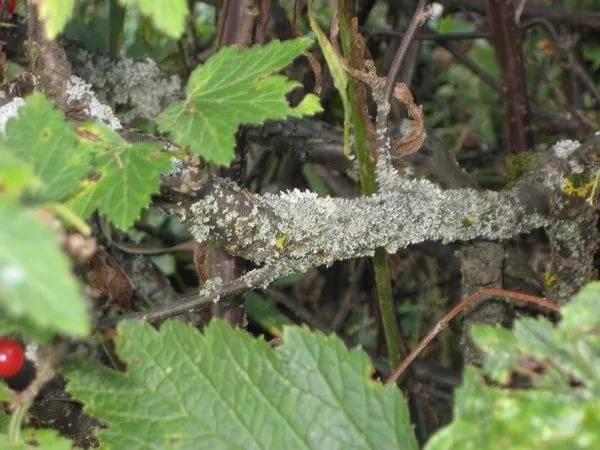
507	42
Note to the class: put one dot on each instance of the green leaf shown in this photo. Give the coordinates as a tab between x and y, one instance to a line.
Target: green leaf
561	367
4	397
36	284
498	419
580	316
591	53
451	24
338	74
42	139
127	175
225	389
55	13
15	175
37	439
483	55
169	17
501	342
232	88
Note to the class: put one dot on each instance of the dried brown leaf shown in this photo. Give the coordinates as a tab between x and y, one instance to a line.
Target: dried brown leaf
106	277
414	139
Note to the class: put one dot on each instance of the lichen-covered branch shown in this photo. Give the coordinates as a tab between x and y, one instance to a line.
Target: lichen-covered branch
300	230
297	230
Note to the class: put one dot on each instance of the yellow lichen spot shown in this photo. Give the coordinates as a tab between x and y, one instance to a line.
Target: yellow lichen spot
550	279
468	221
577	185
281	239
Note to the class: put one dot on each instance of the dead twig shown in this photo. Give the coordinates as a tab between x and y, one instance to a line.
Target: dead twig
443	322
207	296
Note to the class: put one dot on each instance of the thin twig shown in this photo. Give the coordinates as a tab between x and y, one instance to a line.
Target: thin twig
443	322
418	19
252	279
428	35
567	58
519	10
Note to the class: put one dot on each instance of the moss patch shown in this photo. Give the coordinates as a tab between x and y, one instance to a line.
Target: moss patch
517	166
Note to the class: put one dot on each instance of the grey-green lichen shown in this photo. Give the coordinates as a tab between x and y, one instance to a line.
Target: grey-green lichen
320	231
136	89
296	230
80	93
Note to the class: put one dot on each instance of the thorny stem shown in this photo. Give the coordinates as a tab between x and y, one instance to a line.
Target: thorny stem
466	302
368	187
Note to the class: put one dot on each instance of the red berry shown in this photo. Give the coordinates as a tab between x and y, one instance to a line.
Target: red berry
12	357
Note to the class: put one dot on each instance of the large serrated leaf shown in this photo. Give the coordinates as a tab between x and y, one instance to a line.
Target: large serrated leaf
42	138
168	18
36	284
226	389
232	88
127	175
55	14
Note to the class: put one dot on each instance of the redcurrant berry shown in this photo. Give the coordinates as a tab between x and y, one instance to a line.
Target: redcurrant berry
12	357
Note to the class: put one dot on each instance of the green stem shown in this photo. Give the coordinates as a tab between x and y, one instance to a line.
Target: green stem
383	281
14	426
116	23
368	183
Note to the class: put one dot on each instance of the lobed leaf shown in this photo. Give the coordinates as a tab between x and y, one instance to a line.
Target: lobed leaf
232	88
126	176
41	139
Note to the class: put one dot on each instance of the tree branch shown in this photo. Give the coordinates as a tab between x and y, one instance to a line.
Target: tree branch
301	230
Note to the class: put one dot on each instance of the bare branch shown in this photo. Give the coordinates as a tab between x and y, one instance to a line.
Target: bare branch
443	322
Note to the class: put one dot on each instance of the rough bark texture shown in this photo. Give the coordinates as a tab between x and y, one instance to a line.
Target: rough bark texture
481	267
